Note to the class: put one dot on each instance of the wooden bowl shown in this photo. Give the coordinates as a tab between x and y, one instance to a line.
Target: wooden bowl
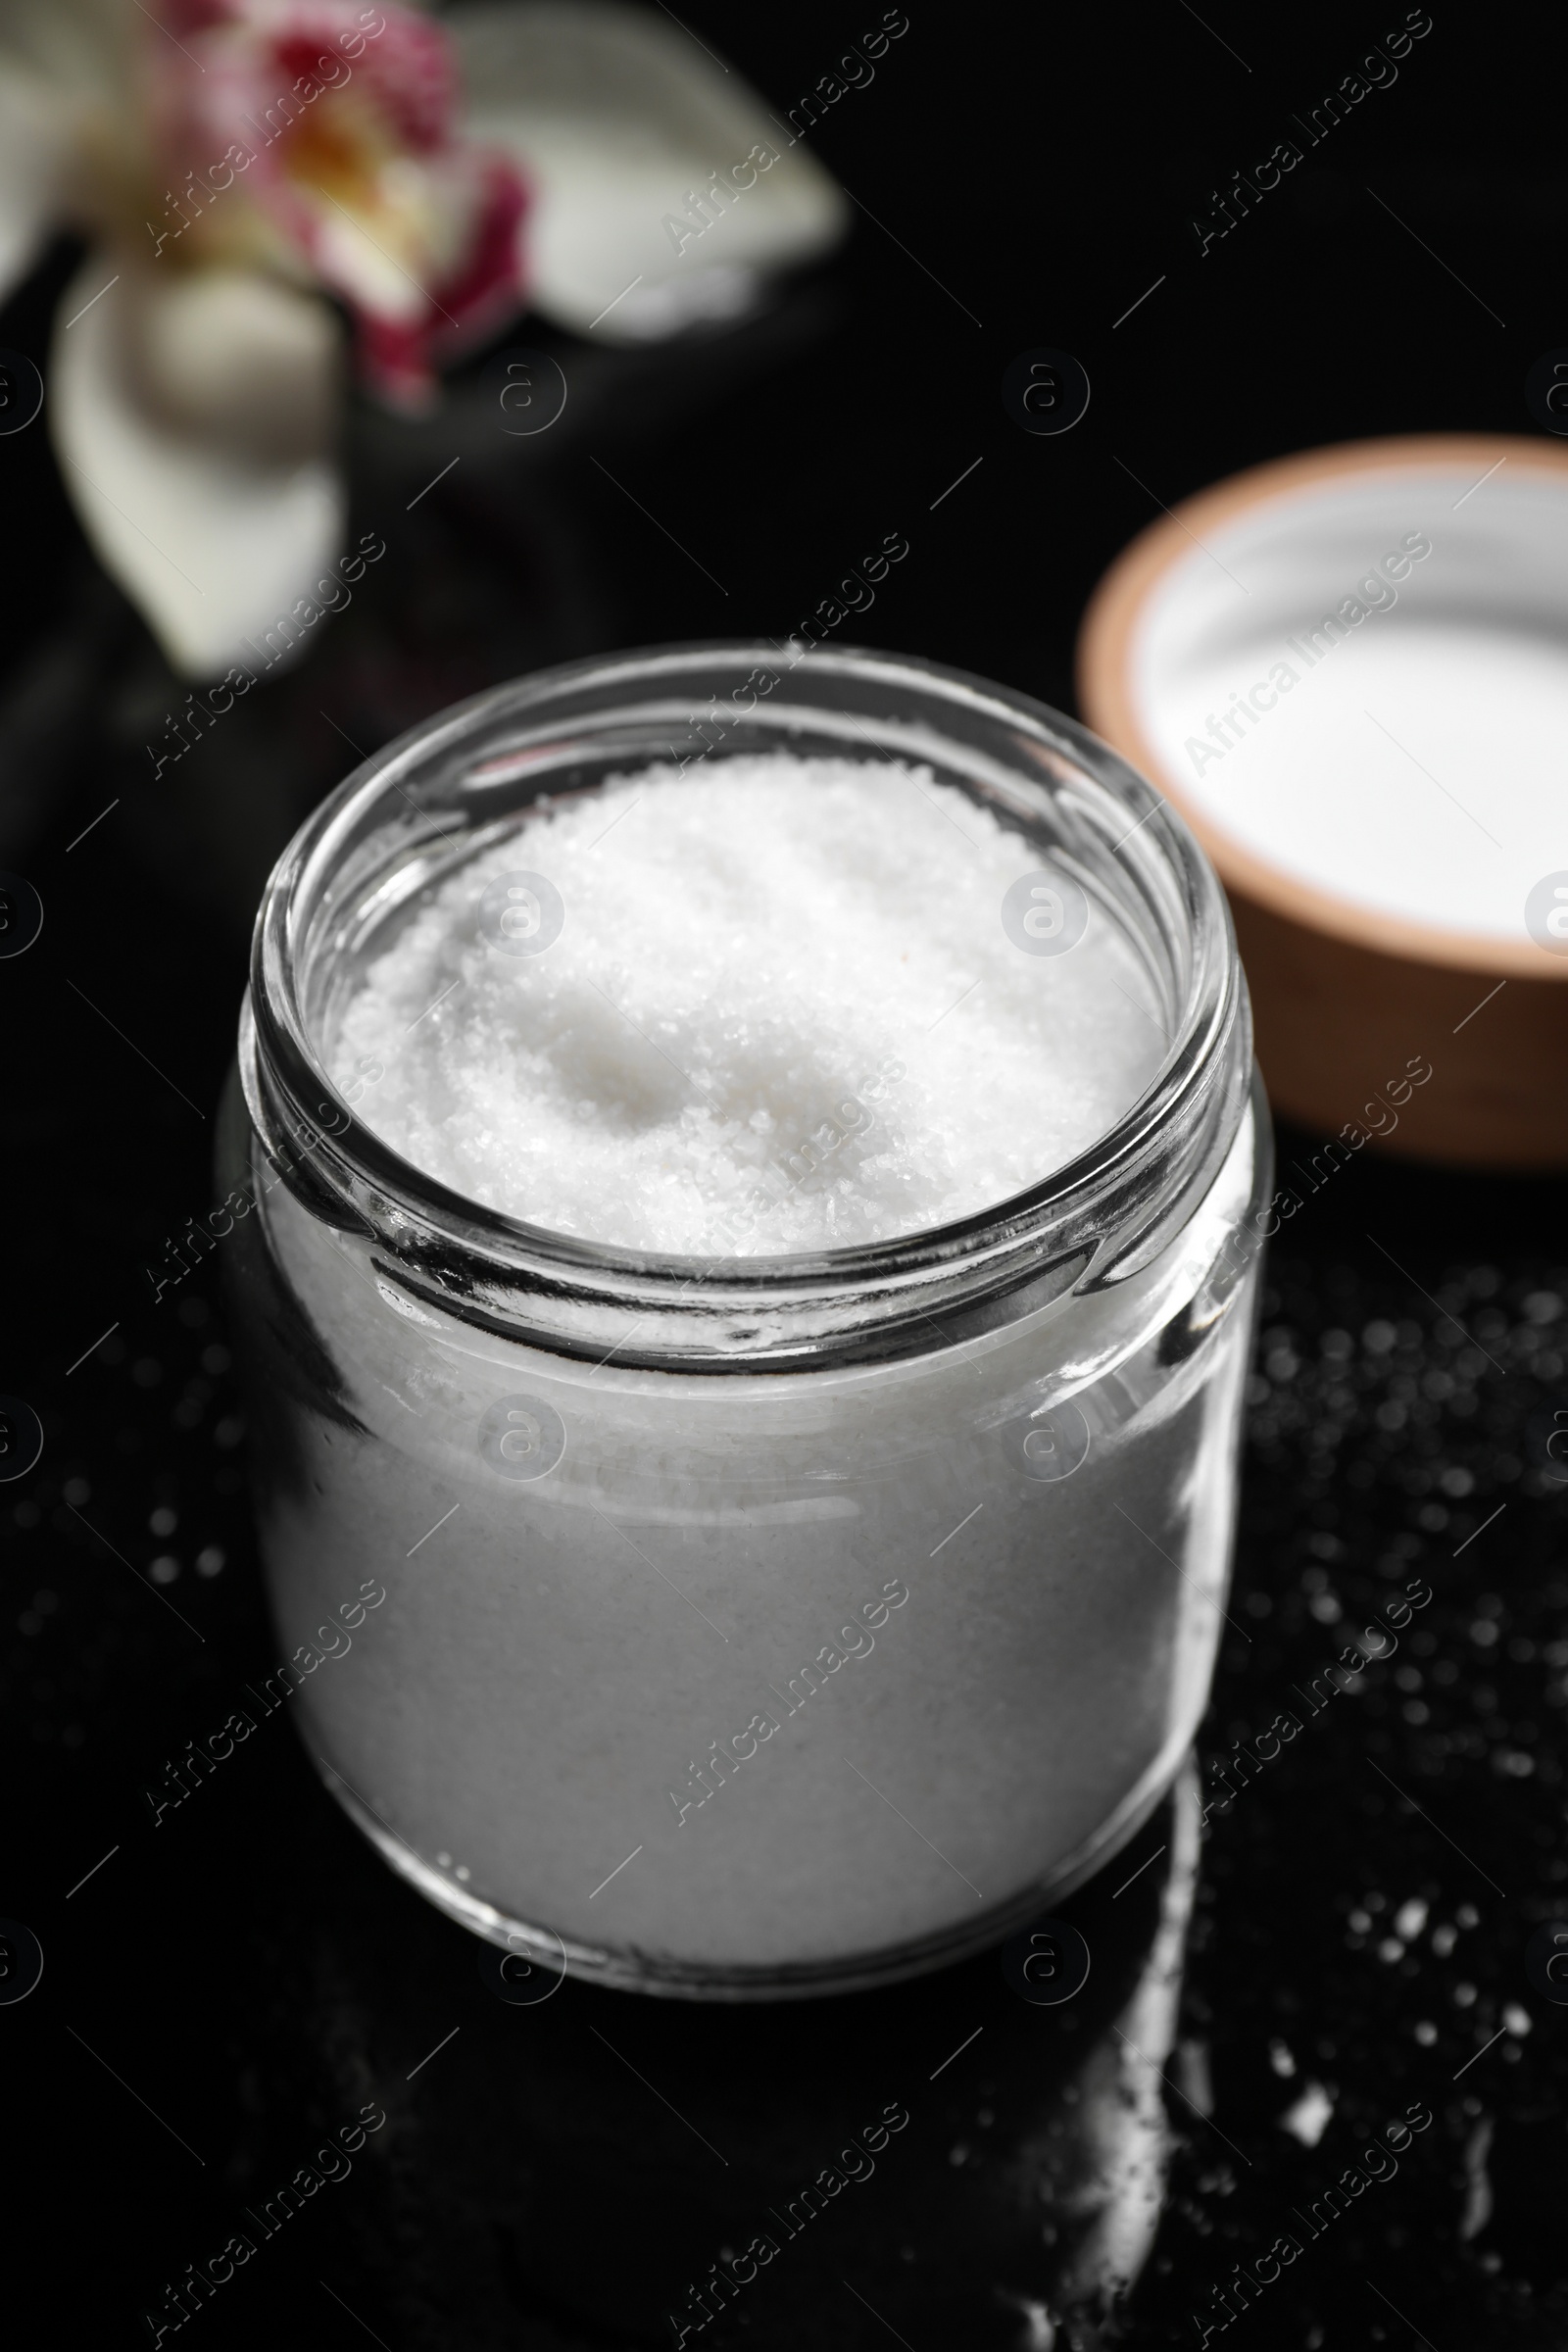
1360	968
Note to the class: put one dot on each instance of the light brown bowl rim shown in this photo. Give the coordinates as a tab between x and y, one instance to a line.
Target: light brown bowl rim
1104	694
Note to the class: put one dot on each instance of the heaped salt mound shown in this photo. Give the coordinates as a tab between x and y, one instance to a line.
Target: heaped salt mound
781	1013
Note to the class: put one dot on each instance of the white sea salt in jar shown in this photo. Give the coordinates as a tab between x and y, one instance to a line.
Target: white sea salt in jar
748	1161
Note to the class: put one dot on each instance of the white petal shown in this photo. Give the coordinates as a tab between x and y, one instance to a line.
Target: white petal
33	139
81	49
618	114
195	416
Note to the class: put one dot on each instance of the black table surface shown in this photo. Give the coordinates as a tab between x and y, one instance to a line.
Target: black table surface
1350	1939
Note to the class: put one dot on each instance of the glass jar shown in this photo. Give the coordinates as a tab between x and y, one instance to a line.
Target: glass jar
751	1626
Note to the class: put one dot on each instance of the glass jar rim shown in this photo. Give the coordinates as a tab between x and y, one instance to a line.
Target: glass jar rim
1093	1220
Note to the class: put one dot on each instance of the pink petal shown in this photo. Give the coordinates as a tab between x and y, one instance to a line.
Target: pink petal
397	354
414	229
407	69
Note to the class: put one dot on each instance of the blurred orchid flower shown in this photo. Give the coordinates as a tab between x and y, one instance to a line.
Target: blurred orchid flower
232	162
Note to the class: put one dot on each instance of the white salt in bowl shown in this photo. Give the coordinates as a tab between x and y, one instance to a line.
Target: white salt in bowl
1348	671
